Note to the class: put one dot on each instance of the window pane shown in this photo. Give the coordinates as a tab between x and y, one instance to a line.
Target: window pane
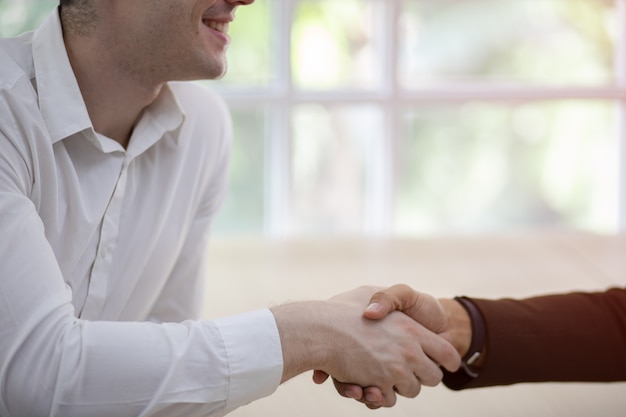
243	211
536	41
250	52
336	44
482	167
332	148
18	16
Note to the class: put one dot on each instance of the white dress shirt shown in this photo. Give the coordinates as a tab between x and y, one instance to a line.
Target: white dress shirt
102	252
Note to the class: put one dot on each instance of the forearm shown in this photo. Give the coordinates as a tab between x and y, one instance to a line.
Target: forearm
125	369
570	337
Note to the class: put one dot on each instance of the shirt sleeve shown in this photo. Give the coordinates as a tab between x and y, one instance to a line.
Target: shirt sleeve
182	298
54	364
554	338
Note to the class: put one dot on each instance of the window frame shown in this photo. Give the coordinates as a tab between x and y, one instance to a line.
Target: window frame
380	182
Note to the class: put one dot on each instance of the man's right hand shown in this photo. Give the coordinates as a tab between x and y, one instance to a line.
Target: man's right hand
396	354
446	317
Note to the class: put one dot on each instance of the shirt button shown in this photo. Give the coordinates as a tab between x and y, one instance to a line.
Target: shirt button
104	252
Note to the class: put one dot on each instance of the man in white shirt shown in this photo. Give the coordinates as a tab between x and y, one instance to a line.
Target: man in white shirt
111	170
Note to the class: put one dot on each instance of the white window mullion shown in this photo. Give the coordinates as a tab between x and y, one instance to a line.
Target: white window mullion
458	93
278	158
395	108
620	54
379	192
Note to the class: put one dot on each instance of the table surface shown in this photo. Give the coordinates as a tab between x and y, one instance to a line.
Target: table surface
262	272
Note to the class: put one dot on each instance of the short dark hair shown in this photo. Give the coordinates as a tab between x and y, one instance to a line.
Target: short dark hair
78	16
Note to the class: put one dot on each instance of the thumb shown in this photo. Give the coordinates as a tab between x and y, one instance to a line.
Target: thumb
319	377
421	307
400	297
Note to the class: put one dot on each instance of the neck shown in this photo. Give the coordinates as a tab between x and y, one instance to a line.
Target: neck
114	97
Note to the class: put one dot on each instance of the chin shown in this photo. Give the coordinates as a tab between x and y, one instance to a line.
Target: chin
221	75
213	70
216	73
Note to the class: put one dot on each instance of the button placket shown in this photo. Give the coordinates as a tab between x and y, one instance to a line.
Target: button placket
98	285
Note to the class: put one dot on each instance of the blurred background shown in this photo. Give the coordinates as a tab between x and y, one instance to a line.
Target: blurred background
419	117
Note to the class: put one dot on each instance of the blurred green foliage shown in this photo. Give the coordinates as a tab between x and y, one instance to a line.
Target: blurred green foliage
537	41
479	166
18	16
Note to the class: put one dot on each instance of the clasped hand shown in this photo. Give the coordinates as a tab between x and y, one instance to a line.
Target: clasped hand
413	349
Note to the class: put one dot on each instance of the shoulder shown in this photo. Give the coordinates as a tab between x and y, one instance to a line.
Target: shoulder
207	128
18	97
17	60
24	138
22	132
206	138
198	100
207	118
19	105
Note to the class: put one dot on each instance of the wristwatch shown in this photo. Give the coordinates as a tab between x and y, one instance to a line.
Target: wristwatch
466	373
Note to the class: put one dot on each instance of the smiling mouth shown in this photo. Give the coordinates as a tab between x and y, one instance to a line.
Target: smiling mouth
221	27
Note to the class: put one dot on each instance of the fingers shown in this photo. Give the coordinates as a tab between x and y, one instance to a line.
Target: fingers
410	388
389	398
349	390
353	391
441	352
345	390
375	397
428	372
428	352
372	397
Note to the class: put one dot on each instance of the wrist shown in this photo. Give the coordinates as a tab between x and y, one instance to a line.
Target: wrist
474	357
301	337
459	325
468	333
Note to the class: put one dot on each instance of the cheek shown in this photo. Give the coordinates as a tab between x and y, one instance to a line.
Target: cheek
169	37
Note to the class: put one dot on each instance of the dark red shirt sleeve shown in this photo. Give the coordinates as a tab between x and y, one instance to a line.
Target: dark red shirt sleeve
568	337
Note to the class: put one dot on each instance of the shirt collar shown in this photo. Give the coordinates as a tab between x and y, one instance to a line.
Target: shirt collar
163	116
62	105
60	99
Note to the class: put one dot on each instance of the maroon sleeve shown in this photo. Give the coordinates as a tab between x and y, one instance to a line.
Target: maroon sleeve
569	337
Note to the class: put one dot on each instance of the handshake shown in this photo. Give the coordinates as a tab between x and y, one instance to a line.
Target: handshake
375	343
